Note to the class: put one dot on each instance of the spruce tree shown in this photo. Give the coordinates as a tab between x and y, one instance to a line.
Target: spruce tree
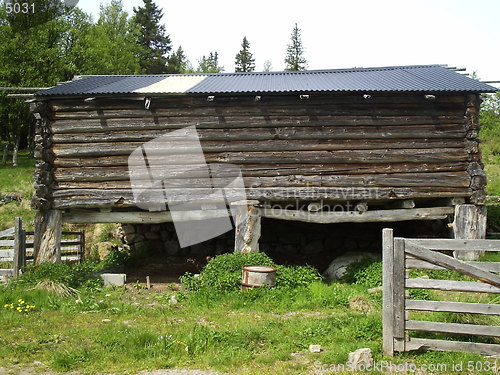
294	59
244	59
152	38
209	64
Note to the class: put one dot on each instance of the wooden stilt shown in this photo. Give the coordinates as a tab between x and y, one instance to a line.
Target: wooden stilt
469	223
47	243
247	226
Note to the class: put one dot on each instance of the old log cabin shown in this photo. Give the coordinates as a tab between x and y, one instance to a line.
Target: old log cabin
386	144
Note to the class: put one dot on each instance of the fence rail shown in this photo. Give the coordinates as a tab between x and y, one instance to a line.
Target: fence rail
17	248
402	254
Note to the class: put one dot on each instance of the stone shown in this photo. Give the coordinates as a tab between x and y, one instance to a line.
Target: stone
360	359
201	249
117	279
338	267
164	235
172	247
315	348
155	228
128	228
152	236
286	249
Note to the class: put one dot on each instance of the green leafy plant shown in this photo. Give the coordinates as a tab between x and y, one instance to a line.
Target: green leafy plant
366	272
20	306
223	273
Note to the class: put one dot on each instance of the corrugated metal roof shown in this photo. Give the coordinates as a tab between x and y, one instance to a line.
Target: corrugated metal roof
417	78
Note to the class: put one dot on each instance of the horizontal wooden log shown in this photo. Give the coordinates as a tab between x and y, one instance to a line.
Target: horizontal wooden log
433	213
6	272
123	198
80	126
6	242
140	217
449	285
197	179
412	263
456	307
285	157
303	108
452	264
67	104
313	133
456	244
454	328
452	346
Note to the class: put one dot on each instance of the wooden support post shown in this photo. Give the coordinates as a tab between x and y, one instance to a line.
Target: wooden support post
47	243
469	223
19	246
387	292
247	226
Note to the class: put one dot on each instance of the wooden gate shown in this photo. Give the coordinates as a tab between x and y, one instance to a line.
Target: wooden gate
402	254
16	248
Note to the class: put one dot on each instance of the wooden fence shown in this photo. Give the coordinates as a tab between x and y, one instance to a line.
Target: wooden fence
16	248
402	254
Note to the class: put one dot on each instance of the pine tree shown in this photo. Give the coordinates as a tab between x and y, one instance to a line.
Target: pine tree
244	59
294	59
178	62
152	37
210	64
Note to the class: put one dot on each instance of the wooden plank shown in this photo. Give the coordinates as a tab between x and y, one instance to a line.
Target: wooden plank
7	243
455	328
458	307
7	232
19	249
412	263
7	254
6	272
453	346
457	286
456	244
452	264
47	247
399	294
432	213
387	291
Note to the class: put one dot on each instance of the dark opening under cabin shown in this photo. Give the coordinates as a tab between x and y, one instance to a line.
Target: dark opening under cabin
330	146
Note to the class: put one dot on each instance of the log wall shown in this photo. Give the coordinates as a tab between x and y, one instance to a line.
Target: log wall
328	147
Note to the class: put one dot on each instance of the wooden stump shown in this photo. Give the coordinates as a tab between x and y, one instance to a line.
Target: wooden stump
47	243
469	223
247	227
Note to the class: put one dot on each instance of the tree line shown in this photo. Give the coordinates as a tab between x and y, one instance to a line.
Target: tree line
55	42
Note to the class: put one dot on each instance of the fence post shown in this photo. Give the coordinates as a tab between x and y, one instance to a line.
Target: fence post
387	291
469	223
19	246
82	246
398	289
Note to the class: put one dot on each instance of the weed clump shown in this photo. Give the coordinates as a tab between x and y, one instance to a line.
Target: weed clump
223	273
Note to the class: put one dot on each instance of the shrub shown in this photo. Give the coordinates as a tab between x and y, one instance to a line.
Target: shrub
223	273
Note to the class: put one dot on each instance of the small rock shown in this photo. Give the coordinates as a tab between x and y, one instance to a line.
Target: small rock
37	363
106	320
315	348
338	267
360	359
173	300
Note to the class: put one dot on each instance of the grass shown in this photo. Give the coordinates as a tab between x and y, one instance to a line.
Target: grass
263	331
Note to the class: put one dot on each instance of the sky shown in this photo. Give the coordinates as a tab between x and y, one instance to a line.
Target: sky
337	34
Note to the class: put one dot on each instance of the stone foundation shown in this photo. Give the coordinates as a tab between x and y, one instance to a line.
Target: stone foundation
284	241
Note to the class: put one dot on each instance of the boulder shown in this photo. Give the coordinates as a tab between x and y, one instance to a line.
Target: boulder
338	267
